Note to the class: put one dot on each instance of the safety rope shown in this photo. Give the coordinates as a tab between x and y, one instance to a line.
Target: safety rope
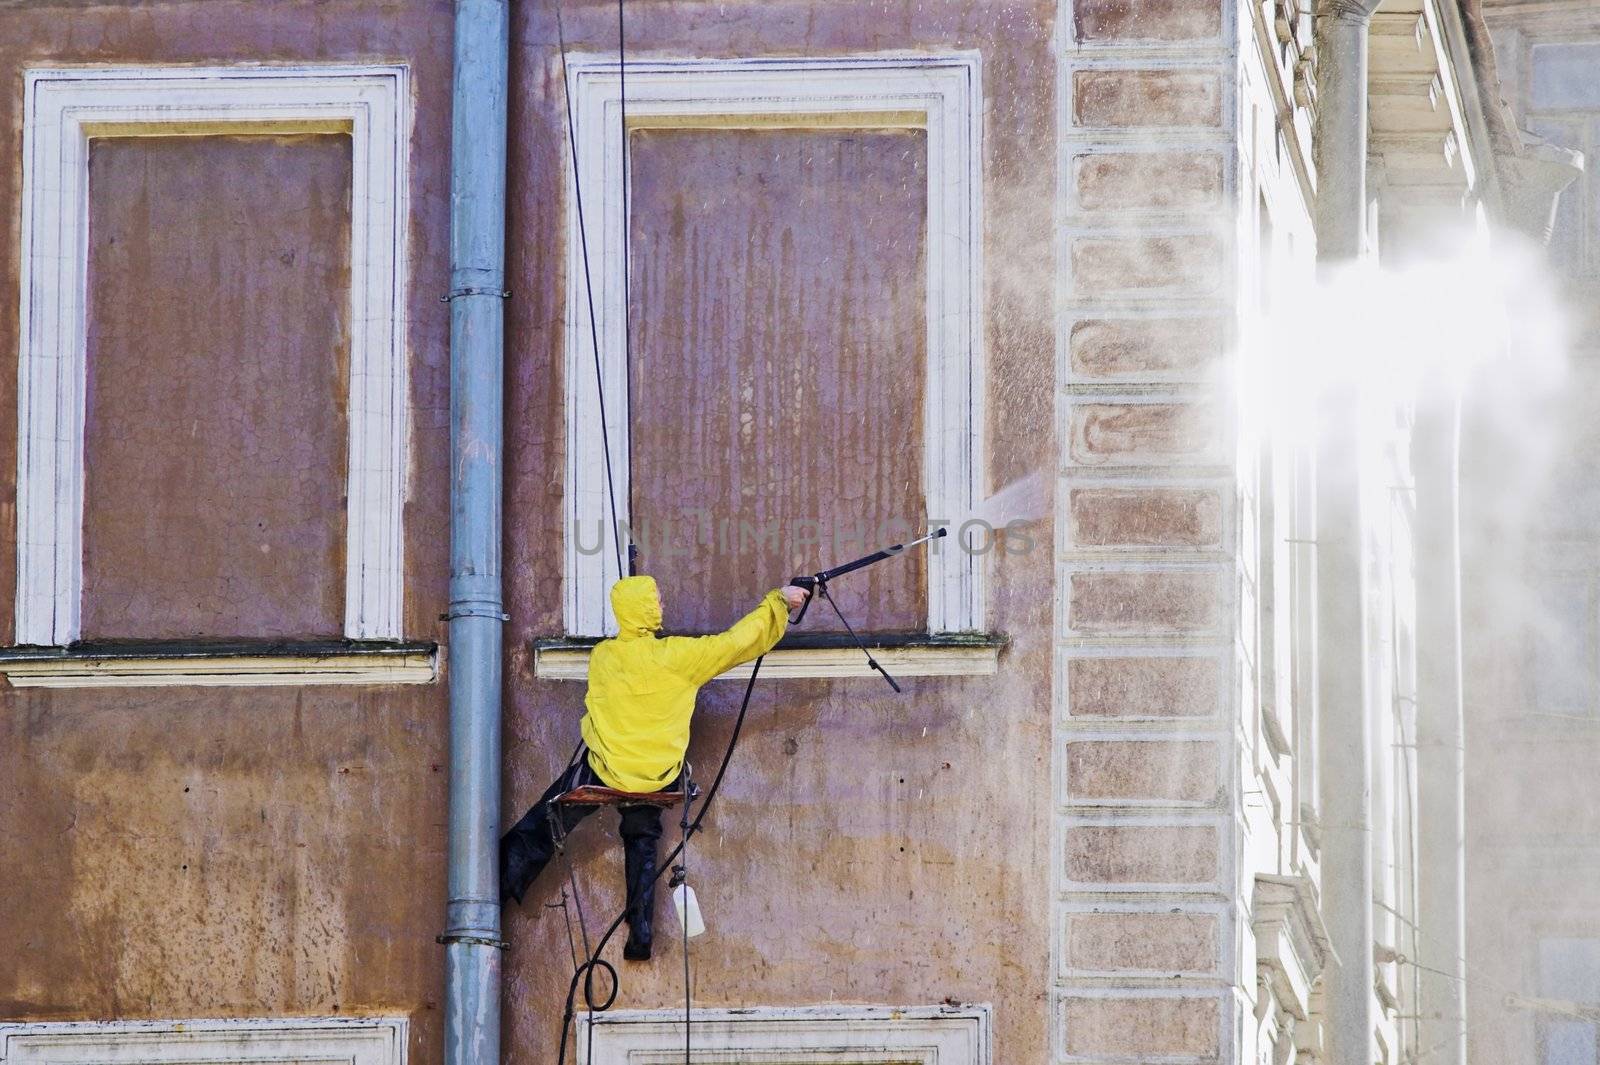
680	877
592	961
588	285
566	918
627	214
559	837
577	899
584	973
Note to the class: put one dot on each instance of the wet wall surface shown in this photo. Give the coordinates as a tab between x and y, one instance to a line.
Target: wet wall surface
781	349
868	848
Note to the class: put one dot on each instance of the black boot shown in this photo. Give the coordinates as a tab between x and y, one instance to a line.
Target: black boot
641	829
637	948
640	858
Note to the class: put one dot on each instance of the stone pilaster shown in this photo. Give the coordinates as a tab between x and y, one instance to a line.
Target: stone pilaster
1145	881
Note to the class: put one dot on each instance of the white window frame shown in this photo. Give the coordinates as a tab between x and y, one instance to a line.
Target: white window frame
941	94
65	109
820	1035
243	1041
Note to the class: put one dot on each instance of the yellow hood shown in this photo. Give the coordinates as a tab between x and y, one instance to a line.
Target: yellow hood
641	689
636	602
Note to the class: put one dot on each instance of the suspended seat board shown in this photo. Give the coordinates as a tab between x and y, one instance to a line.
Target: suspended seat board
599	795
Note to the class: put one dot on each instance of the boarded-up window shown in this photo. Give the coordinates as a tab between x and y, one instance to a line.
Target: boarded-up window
218	347
779	366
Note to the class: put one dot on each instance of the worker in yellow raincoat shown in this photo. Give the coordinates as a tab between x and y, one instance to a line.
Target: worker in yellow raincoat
640	700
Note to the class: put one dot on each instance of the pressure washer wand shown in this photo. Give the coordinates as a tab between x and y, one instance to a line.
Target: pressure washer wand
867	560
817	584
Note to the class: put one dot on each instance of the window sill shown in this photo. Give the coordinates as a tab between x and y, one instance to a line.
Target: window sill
964	655
192	663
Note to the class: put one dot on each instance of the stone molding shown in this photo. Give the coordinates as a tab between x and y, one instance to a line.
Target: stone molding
238	1041
65	108
941	94
814	1035
1292	945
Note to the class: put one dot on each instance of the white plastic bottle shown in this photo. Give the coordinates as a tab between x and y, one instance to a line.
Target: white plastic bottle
688	907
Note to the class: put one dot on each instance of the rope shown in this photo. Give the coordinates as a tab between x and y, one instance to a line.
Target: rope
680	875
584	973
577	898
627	215
588	287
591	962
566	917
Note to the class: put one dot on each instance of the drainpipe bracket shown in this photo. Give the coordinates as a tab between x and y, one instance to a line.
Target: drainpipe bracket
475	612
457	293
481	941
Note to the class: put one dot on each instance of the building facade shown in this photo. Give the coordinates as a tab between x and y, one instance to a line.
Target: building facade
1175	775
1531	934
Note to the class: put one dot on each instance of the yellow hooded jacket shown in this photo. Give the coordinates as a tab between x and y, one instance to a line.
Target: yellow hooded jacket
642	688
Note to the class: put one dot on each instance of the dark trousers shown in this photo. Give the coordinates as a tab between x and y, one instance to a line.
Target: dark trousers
528	847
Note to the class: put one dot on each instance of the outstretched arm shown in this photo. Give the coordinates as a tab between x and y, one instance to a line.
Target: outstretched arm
749	637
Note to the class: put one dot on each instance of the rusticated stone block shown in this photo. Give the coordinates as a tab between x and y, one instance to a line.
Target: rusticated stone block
1147	266
1144	98
1148	1026
1146	20
1142	854
1132	181
1143	771
1146	517
1142	942
1132	603
1130	347
1143	687
1144	434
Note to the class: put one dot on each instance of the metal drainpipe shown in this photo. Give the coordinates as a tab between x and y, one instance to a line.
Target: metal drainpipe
1341	132
477	349
1345	735
1441	733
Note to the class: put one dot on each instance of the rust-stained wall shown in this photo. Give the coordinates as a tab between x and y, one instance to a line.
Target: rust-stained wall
173	853
867	847
779	368
218	358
